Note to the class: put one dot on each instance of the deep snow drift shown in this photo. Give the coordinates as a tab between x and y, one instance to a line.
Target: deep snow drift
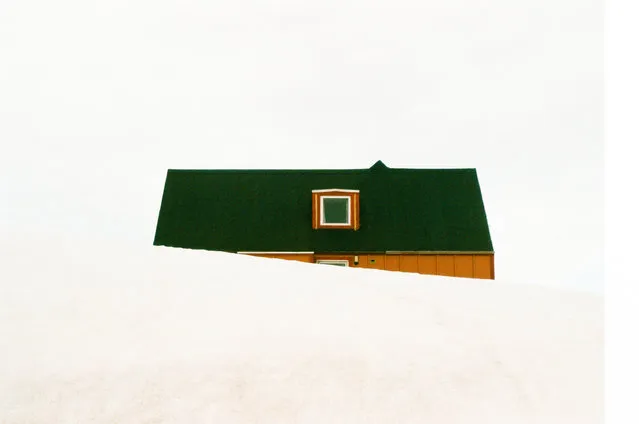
91	334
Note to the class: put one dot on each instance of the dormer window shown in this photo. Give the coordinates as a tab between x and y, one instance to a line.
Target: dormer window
336	209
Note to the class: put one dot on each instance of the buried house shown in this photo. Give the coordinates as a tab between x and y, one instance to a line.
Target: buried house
429	221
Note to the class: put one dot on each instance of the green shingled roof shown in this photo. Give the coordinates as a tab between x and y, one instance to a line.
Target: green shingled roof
271	210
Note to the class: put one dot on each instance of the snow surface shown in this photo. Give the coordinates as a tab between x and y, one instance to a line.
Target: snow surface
93	334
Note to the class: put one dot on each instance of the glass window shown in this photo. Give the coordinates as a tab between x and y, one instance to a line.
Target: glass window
336	210
333	262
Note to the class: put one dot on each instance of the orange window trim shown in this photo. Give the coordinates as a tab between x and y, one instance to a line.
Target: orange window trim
354	209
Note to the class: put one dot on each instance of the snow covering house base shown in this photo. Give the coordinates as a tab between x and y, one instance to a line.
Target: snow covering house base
428	221
469	265
119	334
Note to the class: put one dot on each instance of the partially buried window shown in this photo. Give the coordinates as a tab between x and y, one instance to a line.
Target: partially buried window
334	262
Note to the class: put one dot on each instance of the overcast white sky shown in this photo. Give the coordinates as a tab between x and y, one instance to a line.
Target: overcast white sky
98	99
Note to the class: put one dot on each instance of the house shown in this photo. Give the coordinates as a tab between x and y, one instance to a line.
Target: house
429	221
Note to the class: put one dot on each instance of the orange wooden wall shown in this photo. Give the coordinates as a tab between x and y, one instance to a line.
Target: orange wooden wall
292	257
454	265
464	265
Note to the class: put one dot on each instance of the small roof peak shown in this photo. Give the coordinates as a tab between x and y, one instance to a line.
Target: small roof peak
378	166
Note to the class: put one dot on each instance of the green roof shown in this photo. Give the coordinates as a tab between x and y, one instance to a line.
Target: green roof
271	210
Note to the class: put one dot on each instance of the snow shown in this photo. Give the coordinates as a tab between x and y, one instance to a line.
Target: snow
98	334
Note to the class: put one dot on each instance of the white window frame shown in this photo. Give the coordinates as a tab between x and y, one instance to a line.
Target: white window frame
333	190
323	222
332	262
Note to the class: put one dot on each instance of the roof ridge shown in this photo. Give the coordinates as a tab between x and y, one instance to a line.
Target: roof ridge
376	167
379	166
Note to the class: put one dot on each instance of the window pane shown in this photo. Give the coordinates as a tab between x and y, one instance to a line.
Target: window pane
335	211
334	263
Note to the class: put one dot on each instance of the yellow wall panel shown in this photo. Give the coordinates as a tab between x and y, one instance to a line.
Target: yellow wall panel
300	258
483	266
427	264
468	266
446	265
464	266
409	263
392	263
376	261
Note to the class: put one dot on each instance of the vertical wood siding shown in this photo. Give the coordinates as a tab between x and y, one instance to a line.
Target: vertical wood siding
427	264
392	263
463	265
409	263
468	266
300	258
446	265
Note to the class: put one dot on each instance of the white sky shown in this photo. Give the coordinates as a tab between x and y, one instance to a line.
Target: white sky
98	99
